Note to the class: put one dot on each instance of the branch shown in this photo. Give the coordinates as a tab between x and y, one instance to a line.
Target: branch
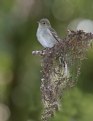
61	68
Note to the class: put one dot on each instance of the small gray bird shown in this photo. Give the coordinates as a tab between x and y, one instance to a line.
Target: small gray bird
46	35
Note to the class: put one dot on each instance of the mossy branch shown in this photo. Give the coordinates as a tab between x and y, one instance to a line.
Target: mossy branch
61	68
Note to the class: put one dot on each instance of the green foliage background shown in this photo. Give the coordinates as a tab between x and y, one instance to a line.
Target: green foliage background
20	71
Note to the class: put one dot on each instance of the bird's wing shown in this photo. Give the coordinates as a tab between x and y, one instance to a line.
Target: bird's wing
54	34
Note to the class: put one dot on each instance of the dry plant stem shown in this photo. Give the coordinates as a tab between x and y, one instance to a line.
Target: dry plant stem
61	68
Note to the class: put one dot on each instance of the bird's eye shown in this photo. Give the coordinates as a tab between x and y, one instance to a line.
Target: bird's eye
43	22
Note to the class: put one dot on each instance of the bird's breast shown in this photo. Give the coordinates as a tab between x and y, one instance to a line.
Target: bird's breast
45	38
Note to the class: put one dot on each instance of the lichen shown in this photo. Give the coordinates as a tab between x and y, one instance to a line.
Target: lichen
61	68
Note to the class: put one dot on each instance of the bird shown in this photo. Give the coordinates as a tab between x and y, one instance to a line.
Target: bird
46	35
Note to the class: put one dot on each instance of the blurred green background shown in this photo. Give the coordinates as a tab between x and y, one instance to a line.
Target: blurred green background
20	71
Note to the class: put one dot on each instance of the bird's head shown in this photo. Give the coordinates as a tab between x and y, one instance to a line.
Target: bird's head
44	23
